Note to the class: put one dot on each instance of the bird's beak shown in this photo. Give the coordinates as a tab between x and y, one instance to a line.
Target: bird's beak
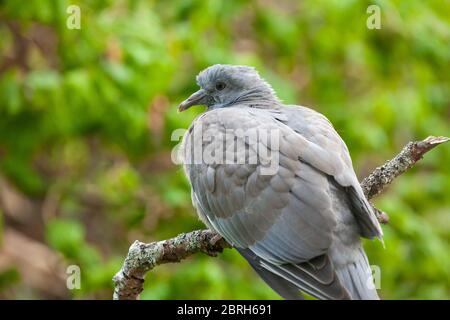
198	98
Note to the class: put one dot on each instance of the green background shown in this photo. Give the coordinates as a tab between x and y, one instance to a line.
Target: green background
86	118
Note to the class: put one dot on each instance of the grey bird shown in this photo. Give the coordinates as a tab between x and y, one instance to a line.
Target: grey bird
300	226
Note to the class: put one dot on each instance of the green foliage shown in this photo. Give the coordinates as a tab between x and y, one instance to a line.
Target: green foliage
87	116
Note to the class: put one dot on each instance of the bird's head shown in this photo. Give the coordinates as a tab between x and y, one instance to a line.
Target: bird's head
225	85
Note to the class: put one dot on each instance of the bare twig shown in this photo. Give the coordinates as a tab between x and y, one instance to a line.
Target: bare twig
411	153
143	257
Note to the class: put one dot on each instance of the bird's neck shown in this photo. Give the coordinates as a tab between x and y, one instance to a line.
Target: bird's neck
258	98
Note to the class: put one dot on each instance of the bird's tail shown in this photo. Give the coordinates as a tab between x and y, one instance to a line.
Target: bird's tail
357	277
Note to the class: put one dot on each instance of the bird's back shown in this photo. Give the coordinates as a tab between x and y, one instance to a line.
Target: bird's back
299	226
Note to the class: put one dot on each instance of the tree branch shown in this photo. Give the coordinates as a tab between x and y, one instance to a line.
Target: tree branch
411	153
142	257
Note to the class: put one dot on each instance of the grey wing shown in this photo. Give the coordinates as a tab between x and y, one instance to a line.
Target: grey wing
327	143
283	287
284	221
316	277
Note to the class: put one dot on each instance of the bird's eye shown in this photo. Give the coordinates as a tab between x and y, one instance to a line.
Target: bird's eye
220	86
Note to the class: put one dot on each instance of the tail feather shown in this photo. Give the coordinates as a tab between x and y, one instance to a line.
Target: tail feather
315	277
357	278
281	286
319	277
